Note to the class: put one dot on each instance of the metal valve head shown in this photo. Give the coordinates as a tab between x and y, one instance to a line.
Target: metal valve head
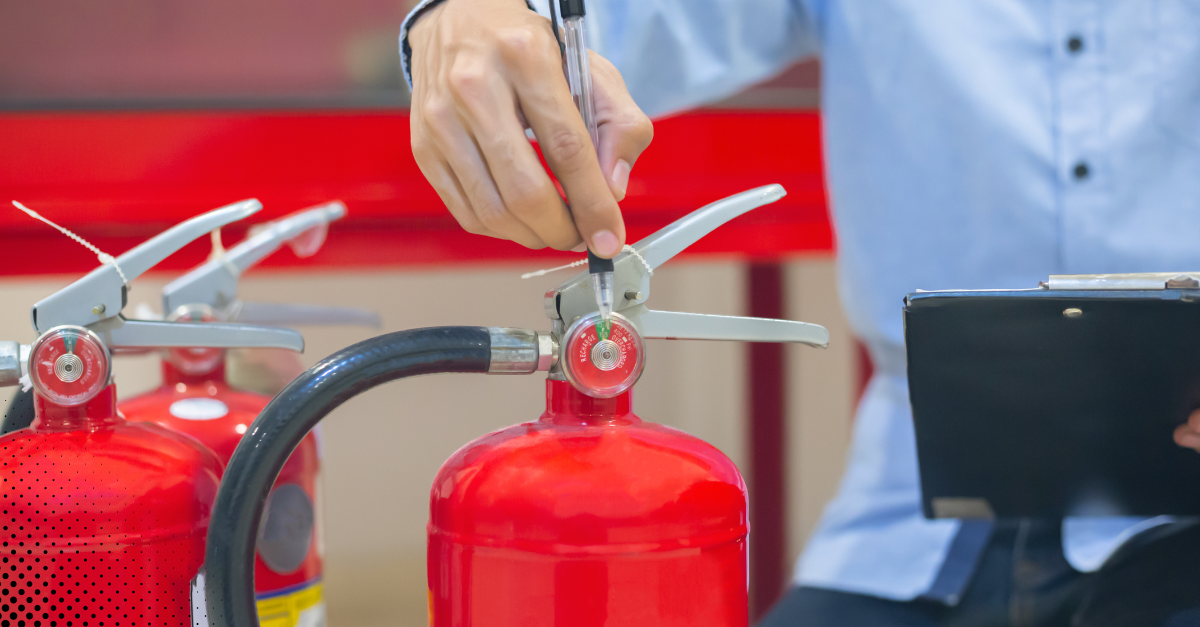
214	284
94	302
572	305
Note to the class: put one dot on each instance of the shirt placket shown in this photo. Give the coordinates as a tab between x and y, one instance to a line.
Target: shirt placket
1081	168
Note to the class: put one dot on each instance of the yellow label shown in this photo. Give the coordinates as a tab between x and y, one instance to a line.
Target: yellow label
286	610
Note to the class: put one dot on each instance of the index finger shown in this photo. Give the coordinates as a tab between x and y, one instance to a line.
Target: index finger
546	103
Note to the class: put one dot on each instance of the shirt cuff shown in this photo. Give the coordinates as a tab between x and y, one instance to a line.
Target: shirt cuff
405	49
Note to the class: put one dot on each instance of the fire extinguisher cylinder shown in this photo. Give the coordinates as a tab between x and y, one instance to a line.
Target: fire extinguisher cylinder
271	438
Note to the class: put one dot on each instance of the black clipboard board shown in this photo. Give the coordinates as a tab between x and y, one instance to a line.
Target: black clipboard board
1050	403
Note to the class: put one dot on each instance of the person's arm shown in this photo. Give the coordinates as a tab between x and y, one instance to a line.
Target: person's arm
483	70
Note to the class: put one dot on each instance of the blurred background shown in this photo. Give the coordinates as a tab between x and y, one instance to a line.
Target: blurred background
121	118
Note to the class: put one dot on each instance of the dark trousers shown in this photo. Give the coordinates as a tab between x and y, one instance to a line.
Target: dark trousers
1023	580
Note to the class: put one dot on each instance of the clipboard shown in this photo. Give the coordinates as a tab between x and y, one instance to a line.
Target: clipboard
1056	401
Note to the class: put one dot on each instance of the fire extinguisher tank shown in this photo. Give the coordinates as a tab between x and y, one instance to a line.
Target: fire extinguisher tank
104	520
588	516
288	563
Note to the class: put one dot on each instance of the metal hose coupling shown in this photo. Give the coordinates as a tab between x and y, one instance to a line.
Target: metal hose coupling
521	351
10	364
271	438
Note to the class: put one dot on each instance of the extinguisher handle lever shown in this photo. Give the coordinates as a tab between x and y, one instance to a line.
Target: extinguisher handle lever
674	238
101	294
215	282
671	325
634	267
119	333
285	314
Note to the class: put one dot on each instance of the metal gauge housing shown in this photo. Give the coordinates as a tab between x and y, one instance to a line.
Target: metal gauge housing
602	358
69	365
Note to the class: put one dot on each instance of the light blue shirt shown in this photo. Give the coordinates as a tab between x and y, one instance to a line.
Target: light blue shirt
954	131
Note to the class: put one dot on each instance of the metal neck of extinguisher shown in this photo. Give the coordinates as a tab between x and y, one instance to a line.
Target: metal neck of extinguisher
97	414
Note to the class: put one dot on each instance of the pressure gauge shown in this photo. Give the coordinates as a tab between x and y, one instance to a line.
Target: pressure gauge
602	358
69	365
195	361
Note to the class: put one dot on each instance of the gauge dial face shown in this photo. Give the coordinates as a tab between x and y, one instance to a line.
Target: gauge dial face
603	358
69	366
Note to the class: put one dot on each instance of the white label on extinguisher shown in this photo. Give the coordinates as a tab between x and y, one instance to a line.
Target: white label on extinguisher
199	604
199	409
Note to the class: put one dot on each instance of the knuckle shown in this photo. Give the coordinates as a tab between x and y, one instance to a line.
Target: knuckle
474	227
517	43
439	114
526	46
492	217
467	81
422	149
566	147
531	195
642	130
563	239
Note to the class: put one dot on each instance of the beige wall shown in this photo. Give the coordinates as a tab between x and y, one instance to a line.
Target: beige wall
382	449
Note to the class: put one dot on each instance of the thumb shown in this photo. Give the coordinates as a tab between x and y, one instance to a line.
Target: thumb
625	131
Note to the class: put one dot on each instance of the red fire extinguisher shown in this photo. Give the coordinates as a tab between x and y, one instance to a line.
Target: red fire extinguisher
105	519
195	399
587	516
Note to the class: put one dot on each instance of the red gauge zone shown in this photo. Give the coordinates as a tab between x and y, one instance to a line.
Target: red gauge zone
69	366
603	358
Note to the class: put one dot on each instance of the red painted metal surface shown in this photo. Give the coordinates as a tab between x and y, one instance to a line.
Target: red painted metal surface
588	517
767	430
117	178
105	520
221	434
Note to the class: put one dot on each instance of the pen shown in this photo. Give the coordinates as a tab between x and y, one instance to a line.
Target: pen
579	78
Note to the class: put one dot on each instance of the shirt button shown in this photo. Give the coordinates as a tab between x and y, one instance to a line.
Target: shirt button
1075	44
1081	171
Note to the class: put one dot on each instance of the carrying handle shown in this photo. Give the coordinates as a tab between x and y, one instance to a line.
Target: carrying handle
101	294
119	333
285	314
634	268
215	282
671	325
674	238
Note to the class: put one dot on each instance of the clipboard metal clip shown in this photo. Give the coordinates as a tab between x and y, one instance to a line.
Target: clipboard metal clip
1132	281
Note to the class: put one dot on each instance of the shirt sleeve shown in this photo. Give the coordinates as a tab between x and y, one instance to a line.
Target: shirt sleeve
677	54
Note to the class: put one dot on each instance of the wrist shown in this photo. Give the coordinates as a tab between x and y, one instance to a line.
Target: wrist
423	9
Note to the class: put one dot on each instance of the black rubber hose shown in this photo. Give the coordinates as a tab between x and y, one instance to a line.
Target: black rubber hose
229	556
19	413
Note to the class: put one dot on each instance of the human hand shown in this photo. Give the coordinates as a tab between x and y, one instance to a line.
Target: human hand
1187	434
483	71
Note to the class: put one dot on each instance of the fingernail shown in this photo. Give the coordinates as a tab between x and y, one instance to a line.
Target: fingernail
605	244
580	248
620	178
